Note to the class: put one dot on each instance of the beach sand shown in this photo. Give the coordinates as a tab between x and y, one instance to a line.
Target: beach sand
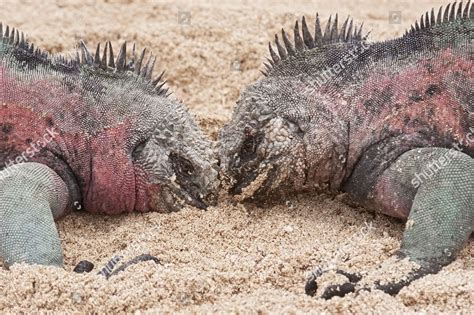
233	257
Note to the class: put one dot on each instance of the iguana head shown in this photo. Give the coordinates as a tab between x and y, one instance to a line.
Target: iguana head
161	146
262	151
179	159
284	136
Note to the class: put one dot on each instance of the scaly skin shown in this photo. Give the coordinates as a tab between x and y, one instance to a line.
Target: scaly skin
382	121
94	132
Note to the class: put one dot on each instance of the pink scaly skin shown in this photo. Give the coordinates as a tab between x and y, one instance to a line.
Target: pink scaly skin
94	133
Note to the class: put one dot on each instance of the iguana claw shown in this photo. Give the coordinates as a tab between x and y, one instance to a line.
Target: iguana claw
332	290
408	270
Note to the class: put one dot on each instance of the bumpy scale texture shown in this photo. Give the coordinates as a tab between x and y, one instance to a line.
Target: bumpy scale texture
391	123
93	132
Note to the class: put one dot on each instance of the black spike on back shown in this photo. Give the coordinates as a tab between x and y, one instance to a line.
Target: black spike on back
427	20
86	56
417	27
267	66
1	30
433	19
160	86
327	31
16	38
342	33
12	36
158	79
422	23
281	50
139	62
7	32
97	55
121	58
439	19
358	36
307	37
289	47
334	30
453	11
103	62
133	60
349	32
459	12
111	56
318	34
144	70
299	44
446	13
150	69
275	57
466	9
270	61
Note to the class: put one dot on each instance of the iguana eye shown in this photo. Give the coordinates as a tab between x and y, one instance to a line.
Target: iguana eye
139	149
249	145
181	165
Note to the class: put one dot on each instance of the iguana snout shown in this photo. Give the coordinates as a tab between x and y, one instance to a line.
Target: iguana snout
180	160
261	156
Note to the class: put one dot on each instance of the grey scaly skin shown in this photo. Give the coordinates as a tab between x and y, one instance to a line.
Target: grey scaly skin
391	123
93	132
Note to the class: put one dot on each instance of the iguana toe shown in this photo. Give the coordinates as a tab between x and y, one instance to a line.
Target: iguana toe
390	277
332	290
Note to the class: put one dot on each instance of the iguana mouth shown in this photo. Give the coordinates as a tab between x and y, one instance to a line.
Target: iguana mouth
255	184
175	198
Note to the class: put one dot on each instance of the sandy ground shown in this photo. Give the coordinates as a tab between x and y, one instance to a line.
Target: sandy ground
231	258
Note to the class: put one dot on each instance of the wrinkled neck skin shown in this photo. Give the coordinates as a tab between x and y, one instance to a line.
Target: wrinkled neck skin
326	144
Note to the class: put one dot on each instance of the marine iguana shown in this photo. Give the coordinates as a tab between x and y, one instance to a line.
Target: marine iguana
390	123
93	132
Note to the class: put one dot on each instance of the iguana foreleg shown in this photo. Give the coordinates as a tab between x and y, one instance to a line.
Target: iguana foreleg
438	184
31	197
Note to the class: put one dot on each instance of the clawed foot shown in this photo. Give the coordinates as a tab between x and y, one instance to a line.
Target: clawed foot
390	277
330	291
110	269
